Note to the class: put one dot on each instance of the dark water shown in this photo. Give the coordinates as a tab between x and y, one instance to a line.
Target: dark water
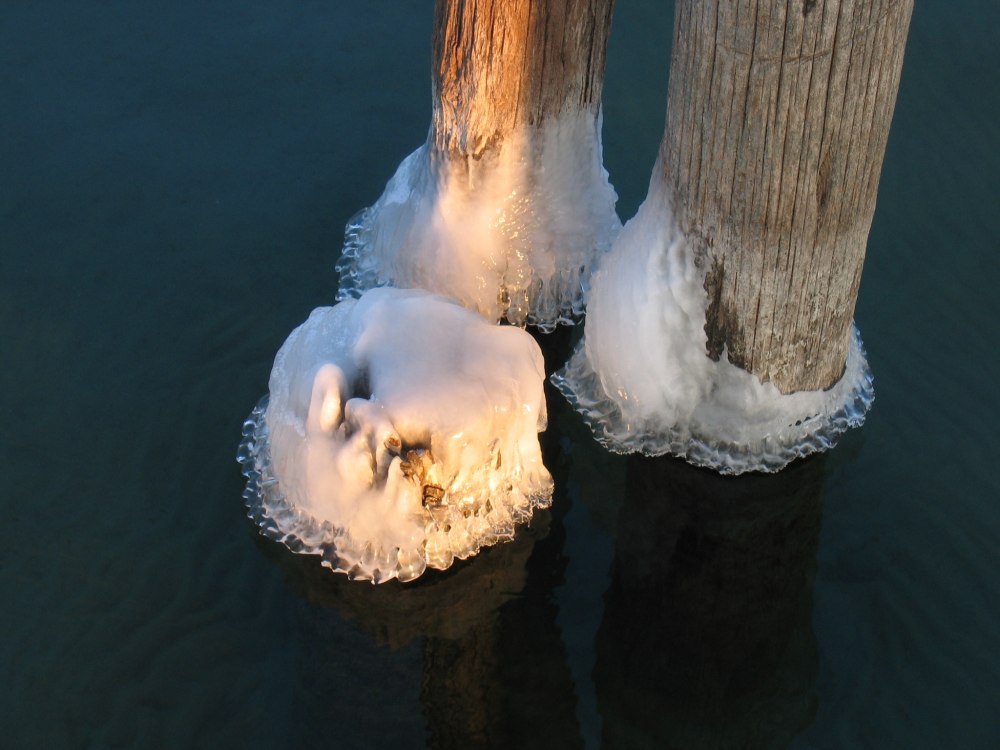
174	179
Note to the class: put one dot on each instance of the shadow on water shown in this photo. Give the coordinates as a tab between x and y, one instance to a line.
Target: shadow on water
494	670
707	640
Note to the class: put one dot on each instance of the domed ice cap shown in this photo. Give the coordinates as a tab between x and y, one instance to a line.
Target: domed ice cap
400	433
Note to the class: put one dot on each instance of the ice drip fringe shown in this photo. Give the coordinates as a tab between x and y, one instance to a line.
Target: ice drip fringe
643	381
507	205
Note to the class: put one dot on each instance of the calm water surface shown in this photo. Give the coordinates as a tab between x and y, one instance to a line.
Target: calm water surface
174	179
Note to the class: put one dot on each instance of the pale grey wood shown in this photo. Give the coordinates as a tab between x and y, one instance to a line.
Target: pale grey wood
500	64
777	119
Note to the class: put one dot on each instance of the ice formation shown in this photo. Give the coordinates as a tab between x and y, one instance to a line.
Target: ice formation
643	382
512	233
400	432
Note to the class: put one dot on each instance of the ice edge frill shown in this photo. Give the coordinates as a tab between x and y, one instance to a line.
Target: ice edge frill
547	188
302	534
559	301
812	433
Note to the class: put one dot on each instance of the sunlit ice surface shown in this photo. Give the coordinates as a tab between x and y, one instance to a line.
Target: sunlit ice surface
644	383
513	233
400	433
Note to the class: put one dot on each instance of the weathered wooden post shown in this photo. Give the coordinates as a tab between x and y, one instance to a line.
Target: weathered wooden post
772	153
736	347
507	204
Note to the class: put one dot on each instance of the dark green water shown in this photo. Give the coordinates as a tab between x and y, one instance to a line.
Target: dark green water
174	179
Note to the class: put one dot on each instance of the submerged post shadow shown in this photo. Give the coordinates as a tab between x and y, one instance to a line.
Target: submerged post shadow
494	666
707	638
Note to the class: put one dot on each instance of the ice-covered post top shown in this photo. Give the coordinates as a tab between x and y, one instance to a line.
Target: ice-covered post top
508	204
401	433
720	326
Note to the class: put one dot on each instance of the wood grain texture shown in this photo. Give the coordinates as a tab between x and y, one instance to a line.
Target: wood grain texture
500	64
777	120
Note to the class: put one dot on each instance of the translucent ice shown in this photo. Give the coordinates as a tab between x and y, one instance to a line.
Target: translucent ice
644	383
401	432
512	234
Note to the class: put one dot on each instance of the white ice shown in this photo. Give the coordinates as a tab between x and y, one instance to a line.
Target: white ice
403	433
513	234
643	381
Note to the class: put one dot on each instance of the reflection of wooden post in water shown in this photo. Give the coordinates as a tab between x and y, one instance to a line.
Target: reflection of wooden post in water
707	638
505	682
494	668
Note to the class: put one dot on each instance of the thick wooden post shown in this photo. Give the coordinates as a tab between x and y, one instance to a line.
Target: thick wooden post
501	64
778	116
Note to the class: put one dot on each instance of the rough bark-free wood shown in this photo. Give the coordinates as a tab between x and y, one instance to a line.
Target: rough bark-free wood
499	64
777	120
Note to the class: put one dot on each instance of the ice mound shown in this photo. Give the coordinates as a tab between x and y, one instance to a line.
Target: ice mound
643	382
401	432
512	233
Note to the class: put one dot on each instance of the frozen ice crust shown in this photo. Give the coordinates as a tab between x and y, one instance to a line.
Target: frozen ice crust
512	234
644	383
400	432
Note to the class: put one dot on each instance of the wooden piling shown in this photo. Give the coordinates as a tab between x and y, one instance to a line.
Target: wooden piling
777	120
500	64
